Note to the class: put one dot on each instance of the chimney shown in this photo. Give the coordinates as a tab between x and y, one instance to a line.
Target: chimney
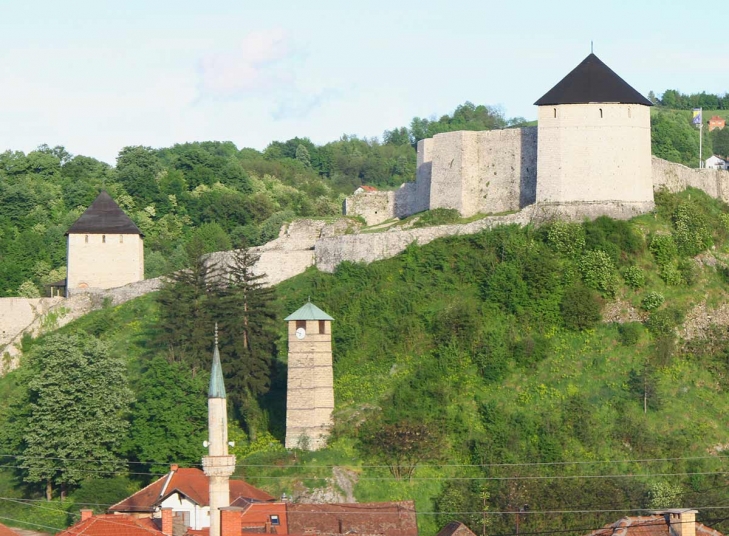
167	521
230	521
86	513
682	521
174	467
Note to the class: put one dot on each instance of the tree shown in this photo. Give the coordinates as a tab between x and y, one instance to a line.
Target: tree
402	445
188	309
77	403
247	335
580	307
302	155
169	417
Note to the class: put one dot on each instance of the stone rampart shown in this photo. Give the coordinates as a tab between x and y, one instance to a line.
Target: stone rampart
675	178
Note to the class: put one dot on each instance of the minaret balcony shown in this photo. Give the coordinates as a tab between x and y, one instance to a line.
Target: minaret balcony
218	465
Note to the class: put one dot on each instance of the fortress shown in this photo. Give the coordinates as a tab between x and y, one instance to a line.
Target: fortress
590	155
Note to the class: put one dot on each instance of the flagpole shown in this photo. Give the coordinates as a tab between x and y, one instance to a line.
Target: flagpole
701	137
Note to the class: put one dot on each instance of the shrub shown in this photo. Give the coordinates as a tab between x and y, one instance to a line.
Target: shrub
506	288
652	300
598	272
689	271
566	238
580	308
630	333
691	232
670	275
663	322
663	248
613	237
634	277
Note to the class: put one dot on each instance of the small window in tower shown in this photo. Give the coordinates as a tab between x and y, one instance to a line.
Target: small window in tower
555	112
275	520
301	324
103	239
121	238
86	239
322	326
600	113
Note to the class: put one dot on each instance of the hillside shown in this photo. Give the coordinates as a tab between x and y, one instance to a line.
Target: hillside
492	344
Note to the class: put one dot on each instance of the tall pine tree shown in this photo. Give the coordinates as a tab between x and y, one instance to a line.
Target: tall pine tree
189	301
247	328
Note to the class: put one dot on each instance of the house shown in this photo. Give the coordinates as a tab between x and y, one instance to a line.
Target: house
7	531
115	525
366	189
384	519
716	162
186	492
675	522
455	528
716	122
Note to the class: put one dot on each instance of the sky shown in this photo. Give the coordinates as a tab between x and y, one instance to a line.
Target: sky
96	76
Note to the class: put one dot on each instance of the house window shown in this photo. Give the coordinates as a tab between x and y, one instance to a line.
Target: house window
322	326
103	239
600	113
86	239
301	324
274	520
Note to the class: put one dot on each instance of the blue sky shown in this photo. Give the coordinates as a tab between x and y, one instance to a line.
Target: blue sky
96	76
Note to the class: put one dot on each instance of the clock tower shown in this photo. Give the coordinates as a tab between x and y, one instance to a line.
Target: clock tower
310	390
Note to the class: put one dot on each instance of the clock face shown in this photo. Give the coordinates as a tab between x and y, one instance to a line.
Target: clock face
300	333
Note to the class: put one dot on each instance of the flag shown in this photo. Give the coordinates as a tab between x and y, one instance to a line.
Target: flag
696	119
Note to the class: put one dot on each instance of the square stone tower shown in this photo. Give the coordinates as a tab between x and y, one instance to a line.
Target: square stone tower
594	150
310	390
105	248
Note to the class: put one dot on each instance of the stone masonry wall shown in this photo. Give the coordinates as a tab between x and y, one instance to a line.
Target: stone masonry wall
676	178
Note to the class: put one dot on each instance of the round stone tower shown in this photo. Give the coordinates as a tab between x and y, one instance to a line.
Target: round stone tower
594	145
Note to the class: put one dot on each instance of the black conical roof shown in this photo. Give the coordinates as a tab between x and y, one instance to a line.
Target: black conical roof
104	217
592	81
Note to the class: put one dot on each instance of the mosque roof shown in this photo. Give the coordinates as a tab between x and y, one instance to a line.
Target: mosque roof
104	217
308	312
592	81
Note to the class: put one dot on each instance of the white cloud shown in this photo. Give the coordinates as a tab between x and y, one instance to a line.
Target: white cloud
259	64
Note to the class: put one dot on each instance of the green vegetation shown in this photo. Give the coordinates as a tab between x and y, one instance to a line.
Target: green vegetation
471	352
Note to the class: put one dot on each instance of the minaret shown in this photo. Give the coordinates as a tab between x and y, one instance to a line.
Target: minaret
310	389
218	464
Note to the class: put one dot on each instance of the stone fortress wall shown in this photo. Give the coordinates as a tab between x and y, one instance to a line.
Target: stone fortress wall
306	243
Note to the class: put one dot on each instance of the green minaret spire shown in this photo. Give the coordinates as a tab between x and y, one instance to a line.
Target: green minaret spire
217	386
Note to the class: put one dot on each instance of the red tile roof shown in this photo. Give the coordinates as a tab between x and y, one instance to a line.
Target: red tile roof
653	525
192	483
6	531
455	528
389	519
112	525
368	188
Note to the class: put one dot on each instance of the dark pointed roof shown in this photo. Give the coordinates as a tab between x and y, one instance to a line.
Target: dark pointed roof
104	217
592	81
217	384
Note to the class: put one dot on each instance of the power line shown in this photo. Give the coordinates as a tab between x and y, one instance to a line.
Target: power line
29	523
514	464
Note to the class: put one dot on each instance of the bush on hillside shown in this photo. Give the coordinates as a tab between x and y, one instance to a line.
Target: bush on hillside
580	308
634	277
566	238
663	322
506	288
438	216
663	247
692	232
598	272
618	238
652	300
629	333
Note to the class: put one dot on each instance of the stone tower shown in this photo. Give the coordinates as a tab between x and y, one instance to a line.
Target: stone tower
594	144
218	465
310	392
105	249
